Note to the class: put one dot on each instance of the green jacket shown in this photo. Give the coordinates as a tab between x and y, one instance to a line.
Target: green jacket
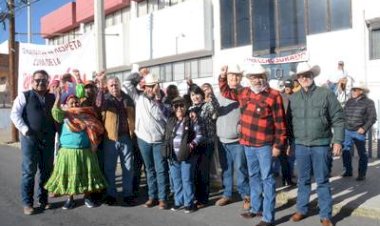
311	115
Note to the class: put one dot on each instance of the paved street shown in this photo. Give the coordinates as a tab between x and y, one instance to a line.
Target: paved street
11	210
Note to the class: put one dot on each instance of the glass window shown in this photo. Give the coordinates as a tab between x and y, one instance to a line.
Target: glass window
194	69
375	44
243	34
340	14
226	21
263	27
291	23
166	72
155	70
205	67
317	11
179	71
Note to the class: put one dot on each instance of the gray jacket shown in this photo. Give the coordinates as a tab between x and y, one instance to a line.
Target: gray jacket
228	120
151	115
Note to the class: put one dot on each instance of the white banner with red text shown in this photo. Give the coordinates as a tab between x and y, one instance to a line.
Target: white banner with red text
293	58
56	60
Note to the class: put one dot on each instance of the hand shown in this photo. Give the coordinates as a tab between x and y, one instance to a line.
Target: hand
193	116
289	151
337	149
189	82
157	91
57	92
275	151
223	72
360	131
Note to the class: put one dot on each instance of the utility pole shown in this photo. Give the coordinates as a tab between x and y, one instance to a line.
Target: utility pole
12	60
99	35
29	20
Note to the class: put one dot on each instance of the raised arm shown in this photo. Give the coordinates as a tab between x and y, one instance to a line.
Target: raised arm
224	88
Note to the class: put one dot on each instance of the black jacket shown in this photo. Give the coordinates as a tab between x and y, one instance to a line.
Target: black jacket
359	112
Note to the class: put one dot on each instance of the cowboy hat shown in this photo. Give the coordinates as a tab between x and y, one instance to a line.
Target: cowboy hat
305	67
360	85
255	69
234	69
151	79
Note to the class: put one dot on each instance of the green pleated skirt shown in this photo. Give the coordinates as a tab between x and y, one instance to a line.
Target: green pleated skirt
76	171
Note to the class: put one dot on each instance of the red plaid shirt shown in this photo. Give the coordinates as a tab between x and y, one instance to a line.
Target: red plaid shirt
262	117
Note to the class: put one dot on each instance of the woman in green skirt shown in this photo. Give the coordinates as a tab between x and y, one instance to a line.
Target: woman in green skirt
76	170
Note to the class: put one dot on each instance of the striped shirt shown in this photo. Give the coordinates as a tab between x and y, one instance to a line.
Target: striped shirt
262	117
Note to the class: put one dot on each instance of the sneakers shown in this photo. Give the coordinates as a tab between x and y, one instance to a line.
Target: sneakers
28	210
223	201
175	208
246	203
150	203
129	201
44	205
69	204
189	209
89	202
162	205
360	178
109	200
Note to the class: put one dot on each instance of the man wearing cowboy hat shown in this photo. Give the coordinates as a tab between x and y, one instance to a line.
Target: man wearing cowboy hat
263	135
150	127
231	153
312	113
360	114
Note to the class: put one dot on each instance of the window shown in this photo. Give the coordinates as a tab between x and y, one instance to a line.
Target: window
226	20
205	67
291	23
179	71
263	25
340	14
243	35
317	16
374	44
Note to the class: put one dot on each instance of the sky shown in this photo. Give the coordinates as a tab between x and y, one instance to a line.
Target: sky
39	9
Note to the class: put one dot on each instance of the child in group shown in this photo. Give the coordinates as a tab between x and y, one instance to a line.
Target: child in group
76	170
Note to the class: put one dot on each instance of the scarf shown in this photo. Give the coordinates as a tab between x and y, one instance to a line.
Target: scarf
84	118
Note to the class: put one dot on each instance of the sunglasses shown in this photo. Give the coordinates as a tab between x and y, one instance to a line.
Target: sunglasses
355	89
178	105
40	80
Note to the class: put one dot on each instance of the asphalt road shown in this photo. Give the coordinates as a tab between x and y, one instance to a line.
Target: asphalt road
11	213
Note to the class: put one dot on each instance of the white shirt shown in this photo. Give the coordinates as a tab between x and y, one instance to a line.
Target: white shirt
16	113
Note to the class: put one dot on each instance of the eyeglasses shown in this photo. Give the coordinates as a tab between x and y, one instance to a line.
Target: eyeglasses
178	105
40	80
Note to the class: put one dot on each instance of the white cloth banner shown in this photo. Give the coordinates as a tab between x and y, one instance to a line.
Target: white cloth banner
297	57
56	60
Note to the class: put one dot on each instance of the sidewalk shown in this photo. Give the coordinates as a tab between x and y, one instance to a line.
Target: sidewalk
350	197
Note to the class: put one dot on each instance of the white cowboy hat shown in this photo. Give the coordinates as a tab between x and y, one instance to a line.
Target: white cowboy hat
256	69
151	79
305	67
234	69
360	85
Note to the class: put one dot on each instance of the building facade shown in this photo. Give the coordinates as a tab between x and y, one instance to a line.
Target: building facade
180	39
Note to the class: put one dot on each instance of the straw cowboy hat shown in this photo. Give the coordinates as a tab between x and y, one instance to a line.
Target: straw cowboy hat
305	67
360	85
234	69
151	79
256	69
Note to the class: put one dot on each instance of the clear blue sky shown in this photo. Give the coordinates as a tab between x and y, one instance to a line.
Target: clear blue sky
39	9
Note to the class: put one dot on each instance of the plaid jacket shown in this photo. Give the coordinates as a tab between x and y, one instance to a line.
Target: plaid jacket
262	117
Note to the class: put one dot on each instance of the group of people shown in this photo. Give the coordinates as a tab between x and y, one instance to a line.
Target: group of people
174	138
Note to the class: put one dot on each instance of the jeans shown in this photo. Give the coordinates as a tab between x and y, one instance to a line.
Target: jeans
351	138
314	160
182	175
261	181
232	157
156	169
123	149
36	154
204	156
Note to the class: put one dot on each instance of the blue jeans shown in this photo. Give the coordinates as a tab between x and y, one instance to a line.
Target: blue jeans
351	138
156	169
232	157
314	160
35	154
182	175
123	149
261	181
